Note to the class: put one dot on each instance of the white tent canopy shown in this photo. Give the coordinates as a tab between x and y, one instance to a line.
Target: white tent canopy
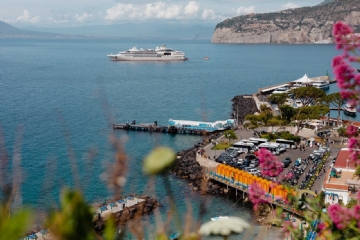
304	79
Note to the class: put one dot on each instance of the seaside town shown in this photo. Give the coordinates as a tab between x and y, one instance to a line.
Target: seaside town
180	120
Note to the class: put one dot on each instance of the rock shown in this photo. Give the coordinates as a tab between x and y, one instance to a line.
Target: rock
298	25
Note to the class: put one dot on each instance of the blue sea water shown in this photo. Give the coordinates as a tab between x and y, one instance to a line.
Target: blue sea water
65	94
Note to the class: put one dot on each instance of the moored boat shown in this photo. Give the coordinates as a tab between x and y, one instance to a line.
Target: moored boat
158	54
349	109
283	89
206	58
321	84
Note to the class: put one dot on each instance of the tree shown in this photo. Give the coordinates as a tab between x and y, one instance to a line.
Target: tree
287	112
312	107
308	95
308	112
341	131
279	99
230	135
336	101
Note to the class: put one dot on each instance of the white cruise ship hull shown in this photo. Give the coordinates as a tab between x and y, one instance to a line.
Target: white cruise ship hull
119	57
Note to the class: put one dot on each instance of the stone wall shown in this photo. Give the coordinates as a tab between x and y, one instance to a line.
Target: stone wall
242	106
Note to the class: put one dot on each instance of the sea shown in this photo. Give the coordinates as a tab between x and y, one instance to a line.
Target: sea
59	99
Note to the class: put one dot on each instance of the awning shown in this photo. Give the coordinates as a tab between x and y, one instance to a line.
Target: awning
352	182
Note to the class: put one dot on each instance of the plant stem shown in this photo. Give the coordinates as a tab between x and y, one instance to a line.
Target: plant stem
172	202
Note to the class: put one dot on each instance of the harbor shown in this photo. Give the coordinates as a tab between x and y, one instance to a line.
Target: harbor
179	126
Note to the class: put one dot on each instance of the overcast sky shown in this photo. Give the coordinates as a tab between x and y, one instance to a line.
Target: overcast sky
68	13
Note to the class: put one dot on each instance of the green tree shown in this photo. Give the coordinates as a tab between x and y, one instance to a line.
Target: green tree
308	112
287	112
308	95
253	121
230	135
279	99
312	107
334	100
341	131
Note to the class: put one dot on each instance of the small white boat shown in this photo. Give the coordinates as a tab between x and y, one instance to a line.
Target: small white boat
206	58
321	84
283	89
219	218
349	109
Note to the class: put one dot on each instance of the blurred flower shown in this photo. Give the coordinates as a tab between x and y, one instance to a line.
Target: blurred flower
269	164
339	215
224	227
256	195
352	131
159	161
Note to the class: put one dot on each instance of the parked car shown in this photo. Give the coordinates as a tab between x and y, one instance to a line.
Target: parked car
254	164
254	171
286	162
251	157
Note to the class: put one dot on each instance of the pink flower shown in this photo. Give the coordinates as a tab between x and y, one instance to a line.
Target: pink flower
352	131
256	195
356	212
321	226
288	176
339	215
341	32
269	164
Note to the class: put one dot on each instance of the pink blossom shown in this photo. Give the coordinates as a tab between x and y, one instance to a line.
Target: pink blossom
321	227
339	215
269	164
356	212
353	143
341	32
338	60
256	195
288	176
352	131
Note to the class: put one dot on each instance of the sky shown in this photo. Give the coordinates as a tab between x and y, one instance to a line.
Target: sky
71	13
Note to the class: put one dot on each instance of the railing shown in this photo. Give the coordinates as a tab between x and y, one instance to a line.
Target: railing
268	197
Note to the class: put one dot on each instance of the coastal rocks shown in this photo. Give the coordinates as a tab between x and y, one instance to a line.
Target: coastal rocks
299	25
129	213
188	168
242	106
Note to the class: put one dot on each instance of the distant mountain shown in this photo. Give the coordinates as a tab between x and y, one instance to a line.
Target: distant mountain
143	30
8	31
326	1
299	25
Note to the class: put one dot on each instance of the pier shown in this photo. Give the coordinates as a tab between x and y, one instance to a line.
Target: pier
179	126
269	89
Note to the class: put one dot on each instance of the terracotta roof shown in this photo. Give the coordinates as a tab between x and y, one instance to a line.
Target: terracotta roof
343	160
336	186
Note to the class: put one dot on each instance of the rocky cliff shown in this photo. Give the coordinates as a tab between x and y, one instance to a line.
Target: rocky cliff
300	25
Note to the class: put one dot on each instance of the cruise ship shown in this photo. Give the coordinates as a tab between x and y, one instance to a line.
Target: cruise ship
159	54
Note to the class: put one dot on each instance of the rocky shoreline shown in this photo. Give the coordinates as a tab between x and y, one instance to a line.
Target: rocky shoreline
129	213
190	170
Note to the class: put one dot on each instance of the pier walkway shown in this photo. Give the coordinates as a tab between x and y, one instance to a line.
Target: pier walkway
266	90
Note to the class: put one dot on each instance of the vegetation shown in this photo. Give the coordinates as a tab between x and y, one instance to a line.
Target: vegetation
334	100
281	135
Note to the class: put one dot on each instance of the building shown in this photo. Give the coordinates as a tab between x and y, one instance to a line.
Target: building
338	181
202	126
